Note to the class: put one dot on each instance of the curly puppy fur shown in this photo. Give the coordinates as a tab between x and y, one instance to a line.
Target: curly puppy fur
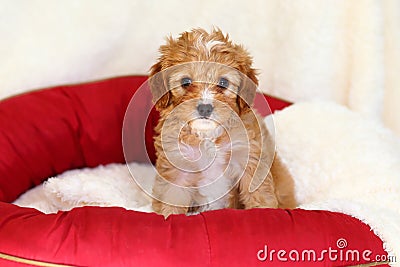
213	150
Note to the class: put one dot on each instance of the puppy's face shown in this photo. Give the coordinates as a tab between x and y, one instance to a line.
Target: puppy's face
204	80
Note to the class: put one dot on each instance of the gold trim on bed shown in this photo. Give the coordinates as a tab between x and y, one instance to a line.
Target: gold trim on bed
31	262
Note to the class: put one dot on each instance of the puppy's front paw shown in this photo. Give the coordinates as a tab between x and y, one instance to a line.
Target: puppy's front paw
260	201
262	206
166	210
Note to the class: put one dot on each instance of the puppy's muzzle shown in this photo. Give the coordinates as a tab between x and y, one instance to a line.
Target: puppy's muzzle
205	110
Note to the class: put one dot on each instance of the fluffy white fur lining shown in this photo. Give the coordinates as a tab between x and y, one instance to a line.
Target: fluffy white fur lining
340	161
343	162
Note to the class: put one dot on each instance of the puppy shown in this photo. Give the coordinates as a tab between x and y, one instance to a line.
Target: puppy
213	150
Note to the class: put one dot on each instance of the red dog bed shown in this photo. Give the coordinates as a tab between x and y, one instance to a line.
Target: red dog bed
47	132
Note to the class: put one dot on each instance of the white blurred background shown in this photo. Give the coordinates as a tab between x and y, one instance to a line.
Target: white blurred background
345	51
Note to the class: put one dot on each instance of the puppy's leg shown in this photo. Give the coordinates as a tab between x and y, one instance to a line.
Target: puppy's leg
215	193
234	201
284	184
262	197
256	187
169	198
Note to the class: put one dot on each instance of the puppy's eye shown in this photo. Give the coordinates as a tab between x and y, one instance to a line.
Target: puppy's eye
223	83
185	82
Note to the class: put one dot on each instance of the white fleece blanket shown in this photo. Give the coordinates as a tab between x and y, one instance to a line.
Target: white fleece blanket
340	161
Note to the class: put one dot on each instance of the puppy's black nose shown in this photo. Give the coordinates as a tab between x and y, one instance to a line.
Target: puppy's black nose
205	110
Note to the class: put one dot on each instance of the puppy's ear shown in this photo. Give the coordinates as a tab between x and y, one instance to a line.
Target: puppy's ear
159	87
247	90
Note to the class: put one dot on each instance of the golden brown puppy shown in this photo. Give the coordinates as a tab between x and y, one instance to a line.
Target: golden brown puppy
213	150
